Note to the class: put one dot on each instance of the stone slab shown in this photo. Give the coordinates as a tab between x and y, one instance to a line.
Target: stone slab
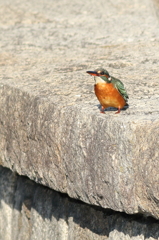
32	211
50	126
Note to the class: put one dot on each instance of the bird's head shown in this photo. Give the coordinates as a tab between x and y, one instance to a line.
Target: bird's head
102	73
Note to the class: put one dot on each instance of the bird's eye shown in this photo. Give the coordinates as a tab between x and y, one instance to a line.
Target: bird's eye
102	73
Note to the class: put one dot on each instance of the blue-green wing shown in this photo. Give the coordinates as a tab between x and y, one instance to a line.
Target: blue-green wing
120	86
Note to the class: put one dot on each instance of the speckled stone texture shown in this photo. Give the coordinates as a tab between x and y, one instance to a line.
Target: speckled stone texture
29	211
50	126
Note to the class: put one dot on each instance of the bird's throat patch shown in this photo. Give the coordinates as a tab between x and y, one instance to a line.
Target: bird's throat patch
98	80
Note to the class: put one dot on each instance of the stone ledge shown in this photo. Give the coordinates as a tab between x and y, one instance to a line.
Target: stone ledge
50	125
100	159
32	211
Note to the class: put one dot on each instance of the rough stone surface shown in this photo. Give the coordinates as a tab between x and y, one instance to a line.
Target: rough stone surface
50	126
31	211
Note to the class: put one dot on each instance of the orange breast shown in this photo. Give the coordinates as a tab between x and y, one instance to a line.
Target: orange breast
108	95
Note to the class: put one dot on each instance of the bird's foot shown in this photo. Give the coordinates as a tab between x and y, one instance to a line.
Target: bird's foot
102	110
118	111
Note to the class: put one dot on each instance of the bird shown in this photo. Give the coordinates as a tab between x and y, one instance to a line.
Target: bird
109	90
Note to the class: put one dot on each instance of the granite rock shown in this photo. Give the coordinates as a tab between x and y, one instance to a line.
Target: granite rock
50	126
31	211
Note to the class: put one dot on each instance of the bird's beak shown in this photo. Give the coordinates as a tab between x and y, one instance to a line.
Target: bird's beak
93	73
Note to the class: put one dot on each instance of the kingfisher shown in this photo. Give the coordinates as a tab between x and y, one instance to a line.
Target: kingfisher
109	90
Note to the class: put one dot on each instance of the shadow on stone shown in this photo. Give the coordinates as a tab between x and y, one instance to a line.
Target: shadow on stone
39	211
113	109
